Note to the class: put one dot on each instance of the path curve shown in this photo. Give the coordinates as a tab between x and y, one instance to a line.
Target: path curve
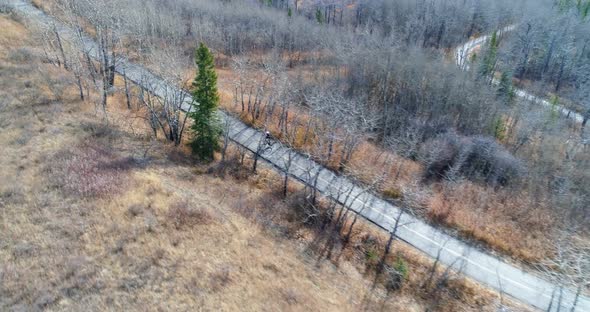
464	51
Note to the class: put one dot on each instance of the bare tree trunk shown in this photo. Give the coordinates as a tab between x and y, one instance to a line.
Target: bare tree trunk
182	126
560	298
551	301
91	68
433	269
242	96
104	93
112	63
307	129
127	92
330	149
385	103
349	234
576	298
286	178
315	186
390	241
61	48
259	149
227	126
80	88
560	74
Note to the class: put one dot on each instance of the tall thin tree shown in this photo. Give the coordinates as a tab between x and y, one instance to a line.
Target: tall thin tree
205	126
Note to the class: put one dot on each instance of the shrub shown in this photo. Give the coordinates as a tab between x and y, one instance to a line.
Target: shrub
303	210
372	255
393	193
135	210
11	195
476	158
44	300
401	267
291	296
370	246
98	130
396	274
21	56
24	250
182	215
90	170
24	138
231	166
220	279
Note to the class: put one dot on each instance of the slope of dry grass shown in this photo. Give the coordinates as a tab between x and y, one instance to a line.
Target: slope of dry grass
87	224
65	249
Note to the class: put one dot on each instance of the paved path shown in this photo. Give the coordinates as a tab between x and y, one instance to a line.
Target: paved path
480	266
464	51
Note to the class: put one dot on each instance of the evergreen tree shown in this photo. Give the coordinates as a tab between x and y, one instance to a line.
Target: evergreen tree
585	9
205	126
319	16
490	57
473	58
554	101
289	12
505	89
499	128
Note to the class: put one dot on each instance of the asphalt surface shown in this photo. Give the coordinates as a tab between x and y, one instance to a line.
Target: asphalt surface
487	269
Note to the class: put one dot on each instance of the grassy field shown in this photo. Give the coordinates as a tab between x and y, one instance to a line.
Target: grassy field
96	215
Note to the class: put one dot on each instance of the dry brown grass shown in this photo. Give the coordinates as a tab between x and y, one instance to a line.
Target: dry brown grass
168	237
12	35
370	161
498	217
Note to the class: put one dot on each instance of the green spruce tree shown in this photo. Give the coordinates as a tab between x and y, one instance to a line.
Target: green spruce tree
554	101
585	9
499	128
505	89
205	128
319	16
488	62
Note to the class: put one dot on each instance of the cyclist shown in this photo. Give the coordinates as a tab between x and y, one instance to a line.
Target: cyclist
267	139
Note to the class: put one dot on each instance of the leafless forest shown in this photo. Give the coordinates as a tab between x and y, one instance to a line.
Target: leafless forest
371	89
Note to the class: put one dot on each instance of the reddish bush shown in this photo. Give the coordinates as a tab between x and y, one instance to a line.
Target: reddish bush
89	170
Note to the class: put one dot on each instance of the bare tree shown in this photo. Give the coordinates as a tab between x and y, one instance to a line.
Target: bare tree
569	268
392	235
289	139
169	110
228	123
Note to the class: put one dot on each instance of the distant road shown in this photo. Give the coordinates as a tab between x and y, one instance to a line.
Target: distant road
464	51
485	268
